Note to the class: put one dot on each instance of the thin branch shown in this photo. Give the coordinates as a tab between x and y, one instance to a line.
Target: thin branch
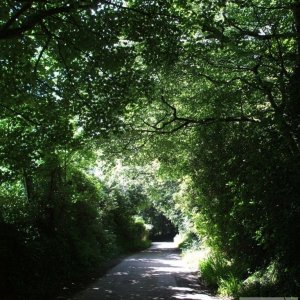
52	89
161	127
18	114
139	11
41	54
67	68
264	87
256	34
33	20
277	7
200	122
219	82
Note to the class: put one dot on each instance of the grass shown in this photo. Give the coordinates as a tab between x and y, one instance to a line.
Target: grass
220	275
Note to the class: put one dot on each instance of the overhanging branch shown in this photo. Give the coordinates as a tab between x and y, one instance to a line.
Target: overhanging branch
41	54
18	114
16	15
175	123
32	20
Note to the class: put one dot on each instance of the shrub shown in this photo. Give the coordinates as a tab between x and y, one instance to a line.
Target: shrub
190	241
262	283
133	235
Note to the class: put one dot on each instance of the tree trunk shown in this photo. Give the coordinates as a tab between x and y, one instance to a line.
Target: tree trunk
293	106
28	185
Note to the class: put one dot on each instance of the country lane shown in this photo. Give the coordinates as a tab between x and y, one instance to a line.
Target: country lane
157	273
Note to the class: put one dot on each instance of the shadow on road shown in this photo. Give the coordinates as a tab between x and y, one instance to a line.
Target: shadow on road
157	273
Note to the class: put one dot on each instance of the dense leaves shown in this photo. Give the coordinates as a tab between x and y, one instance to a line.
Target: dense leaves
204	95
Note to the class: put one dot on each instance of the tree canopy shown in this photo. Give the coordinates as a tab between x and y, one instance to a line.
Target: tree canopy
199	99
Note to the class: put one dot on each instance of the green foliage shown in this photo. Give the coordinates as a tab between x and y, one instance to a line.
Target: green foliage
263	283
221	275
73	225
213	270
229	286
138	236
161	227
190	241
208	90
244	216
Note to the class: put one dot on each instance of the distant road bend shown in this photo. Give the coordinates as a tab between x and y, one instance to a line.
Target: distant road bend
157	273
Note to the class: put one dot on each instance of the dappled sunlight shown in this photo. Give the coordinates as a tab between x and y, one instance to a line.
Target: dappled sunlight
156	273
163	245
192	296
189	293
119	273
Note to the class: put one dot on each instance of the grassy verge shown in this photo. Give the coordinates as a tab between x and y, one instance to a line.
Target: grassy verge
227	278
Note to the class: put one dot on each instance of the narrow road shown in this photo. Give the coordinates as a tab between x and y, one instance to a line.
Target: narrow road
157	273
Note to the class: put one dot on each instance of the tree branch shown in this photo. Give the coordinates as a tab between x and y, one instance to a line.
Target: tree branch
16	15
256	34
18	114
33	20
139	11
41	54
161	127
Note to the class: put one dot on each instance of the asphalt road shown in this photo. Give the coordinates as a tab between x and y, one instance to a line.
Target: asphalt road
157	273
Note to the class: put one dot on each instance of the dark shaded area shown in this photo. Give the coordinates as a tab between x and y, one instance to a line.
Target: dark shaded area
163	229
47	245
81	283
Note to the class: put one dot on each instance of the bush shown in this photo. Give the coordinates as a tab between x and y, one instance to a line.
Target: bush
132	234
189	241
67	230
262	283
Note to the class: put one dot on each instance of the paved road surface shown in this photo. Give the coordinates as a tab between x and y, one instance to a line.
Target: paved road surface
157	273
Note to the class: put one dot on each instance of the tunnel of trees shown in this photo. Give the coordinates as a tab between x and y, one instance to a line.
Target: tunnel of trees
114	114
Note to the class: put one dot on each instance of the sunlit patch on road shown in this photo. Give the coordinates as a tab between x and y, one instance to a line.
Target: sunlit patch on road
156	273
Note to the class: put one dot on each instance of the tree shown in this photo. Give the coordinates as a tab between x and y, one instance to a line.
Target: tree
231	97
210	88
